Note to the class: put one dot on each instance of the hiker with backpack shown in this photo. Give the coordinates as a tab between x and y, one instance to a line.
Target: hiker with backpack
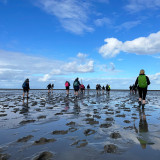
26	87
67	84
49	88
82	88
76	85
108	88
142	81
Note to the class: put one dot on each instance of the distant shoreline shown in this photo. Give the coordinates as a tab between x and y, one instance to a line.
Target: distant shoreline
73	89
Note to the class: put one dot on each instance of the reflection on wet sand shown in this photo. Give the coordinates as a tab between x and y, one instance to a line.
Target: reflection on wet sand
143	135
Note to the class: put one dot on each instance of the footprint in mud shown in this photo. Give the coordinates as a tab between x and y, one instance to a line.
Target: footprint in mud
72	129
121	115
49	107
89	132
3	115
106	107
4	156
127	121
25	139
27	121
96	116
109	112
111	148
41	117
106	125
58	113
71	124
80	143
110	119
38	109
115	135
44	156
43	141
129	127
88	115
60	132
134	117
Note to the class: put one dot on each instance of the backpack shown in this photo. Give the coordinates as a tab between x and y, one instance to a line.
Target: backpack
67	84
24	85
75	84
142	81
82	86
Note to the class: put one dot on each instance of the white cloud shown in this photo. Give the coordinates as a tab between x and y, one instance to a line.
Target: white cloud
128	25
109	68
142	45
138	5
44	78
112	48
73	15
18	66
81	55
103	21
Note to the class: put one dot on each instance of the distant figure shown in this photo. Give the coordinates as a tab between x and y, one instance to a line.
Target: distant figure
67	84
52	86
130	88
88	88
98	88
82	88
142	81
49	88
108	88
76	85
26	87
103	89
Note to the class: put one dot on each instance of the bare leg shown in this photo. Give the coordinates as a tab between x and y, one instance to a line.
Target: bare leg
23	94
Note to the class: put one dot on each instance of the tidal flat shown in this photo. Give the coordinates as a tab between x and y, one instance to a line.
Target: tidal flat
92	127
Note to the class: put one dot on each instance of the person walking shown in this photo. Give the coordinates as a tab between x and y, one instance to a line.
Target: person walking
103	89
26	87
76	85
52	86
142	82
108	88
88	88
67	84
49	88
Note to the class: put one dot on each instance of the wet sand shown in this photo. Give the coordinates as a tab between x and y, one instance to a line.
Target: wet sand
93	127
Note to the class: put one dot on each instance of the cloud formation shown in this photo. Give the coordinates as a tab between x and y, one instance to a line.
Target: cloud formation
18	66
73	15
143	46
128	25
138	5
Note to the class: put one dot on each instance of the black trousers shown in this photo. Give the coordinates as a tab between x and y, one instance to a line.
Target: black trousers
142	93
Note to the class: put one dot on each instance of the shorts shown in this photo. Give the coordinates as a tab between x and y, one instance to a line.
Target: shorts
25	90
142	93
67	88
76	88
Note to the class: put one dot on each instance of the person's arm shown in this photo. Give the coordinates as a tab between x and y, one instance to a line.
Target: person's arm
148	81
136	82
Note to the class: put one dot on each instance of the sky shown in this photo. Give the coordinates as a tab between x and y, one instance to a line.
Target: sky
99	41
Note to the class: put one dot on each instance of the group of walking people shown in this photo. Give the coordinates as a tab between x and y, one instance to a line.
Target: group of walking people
141	84
99	88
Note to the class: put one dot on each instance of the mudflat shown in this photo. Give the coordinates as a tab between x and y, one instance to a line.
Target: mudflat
92	127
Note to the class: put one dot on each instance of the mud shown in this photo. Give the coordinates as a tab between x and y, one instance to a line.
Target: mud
91	127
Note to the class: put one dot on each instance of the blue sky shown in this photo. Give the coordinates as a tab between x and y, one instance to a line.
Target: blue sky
99	41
